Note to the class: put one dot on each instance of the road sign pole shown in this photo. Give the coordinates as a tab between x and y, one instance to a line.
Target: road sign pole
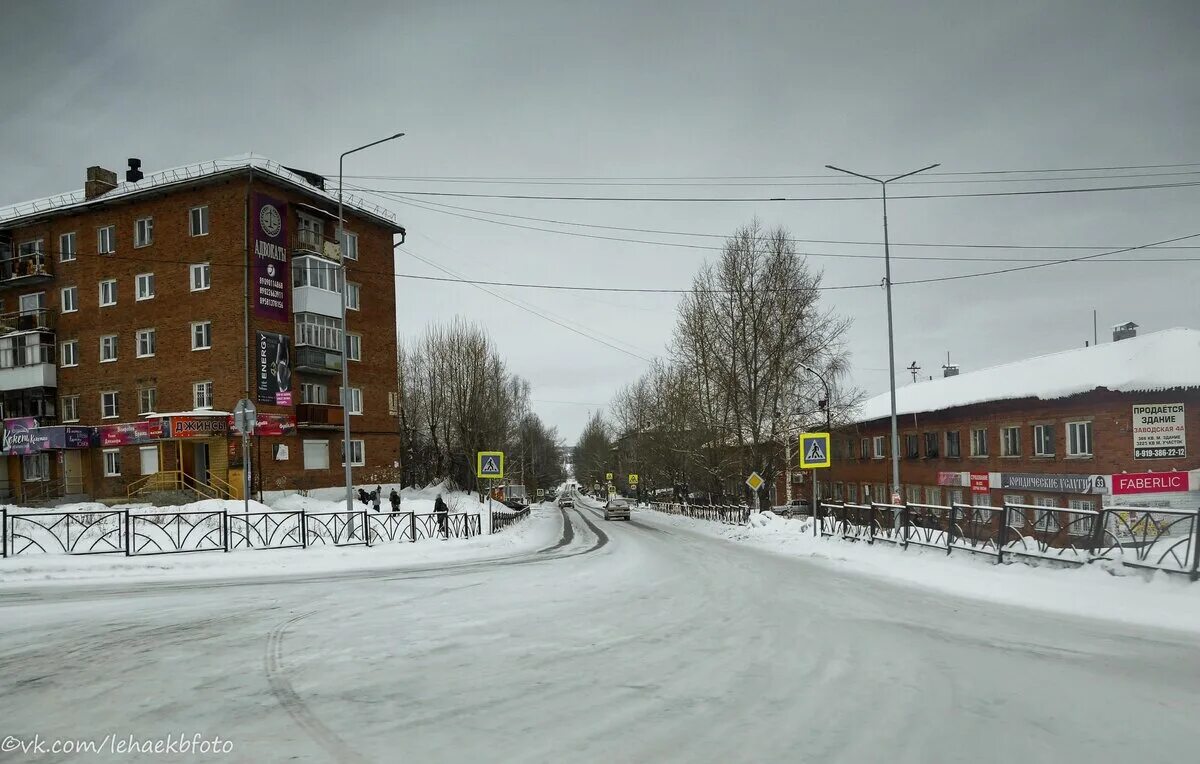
245	473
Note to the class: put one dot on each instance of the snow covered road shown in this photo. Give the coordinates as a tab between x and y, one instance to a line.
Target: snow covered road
632	641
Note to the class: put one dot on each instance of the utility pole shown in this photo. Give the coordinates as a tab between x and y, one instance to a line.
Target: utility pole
887	280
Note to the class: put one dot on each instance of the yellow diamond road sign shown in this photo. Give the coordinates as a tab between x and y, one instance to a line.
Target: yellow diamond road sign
814	450
755	481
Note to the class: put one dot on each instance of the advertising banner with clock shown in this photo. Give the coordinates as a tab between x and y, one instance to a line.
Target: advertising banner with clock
272	284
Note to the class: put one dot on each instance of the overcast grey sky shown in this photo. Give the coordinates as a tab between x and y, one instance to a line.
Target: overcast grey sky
694	88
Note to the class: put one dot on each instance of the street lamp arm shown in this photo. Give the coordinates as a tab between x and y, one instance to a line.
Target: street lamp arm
858	174
914	172
345	154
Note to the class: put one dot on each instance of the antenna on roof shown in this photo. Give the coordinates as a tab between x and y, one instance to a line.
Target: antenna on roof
913	369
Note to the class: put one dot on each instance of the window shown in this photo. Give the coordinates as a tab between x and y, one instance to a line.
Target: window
394	404
110	404
108	292
933	495
353	295
356	403
866	493
1045	519
143	232
316	454
202	395
66	247
69	353
69	408
982	503
1043	440
35	467
1080	524
69	299
145	286
147	343
852	493
1079	438
931	445
953	446
319	331
350	246
112	462
201	335
911	449
108	348
1014	498
864	448
880	451
201	276
357	454
914	493
979	443
354	347
1010	441
147	400
954	496
198	221
310	392
318	273
839	492
106	240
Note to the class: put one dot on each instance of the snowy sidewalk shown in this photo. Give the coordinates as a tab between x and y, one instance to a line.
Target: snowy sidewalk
1092	591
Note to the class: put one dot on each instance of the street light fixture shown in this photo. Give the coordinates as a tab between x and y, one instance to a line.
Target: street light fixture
341	237
887	265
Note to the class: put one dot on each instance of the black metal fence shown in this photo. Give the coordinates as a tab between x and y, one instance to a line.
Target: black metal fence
502	520
1137	537
730	514
121	531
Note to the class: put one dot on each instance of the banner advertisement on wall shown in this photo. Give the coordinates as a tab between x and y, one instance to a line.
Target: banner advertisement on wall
1159	431
128	433
271	283
190	426
274	369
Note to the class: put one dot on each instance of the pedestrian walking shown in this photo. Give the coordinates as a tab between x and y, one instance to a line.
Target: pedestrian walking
363	497
394	498
442	512
375	496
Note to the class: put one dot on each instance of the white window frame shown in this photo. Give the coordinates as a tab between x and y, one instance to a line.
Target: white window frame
315	393
355	406
353	296
202	394
1040	431
1010	440
1076	525
198	220
113	283
913	492
106	240
877	449
116	401
315	330
304	453
933	495
353	347
108	341
147	395
35	468
112	462
979	441
358	447
68	299
143	335
1074	452
68	354
69	413
205	343
1045	519
957	445
143	278
204	271
143	232
67	250
349	246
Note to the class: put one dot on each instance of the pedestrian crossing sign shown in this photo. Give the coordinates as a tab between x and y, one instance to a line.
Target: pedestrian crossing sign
489	464
814	450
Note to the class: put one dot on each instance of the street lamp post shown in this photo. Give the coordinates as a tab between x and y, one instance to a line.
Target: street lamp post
341	236
887	266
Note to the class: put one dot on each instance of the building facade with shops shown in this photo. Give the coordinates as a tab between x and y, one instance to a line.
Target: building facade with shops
134	316
1106	425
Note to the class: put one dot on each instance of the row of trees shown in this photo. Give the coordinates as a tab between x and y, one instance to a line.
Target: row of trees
458	398
752	354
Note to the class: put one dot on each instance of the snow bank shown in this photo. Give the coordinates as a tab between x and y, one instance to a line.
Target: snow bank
1155	599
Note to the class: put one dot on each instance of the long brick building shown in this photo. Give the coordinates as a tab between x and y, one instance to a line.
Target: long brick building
1081	429
135	314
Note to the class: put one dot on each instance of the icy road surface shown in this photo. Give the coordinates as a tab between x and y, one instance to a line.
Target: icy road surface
622	642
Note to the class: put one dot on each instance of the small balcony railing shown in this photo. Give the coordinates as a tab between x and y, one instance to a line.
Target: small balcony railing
315	360
319	415
31	267
305	241
41	319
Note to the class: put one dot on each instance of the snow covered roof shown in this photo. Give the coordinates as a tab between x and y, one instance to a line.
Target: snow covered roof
187	174
1164	360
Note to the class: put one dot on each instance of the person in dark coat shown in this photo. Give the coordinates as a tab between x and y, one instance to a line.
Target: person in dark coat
363	497
395	499
442	512
375	497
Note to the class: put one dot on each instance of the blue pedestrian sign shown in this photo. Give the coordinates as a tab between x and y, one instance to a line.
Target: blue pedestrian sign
814	450
489	464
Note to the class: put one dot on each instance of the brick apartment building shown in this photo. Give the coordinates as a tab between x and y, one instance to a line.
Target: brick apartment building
1081	429
134	315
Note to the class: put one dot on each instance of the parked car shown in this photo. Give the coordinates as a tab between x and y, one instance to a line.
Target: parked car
617	508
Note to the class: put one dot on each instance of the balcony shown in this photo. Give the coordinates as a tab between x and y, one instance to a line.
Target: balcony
306	242
314	360
319	416
39	320
25	270
27	365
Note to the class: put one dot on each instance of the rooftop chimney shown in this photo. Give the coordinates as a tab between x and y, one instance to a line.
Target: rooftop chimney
950	370
134	173
1124	331
99	182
